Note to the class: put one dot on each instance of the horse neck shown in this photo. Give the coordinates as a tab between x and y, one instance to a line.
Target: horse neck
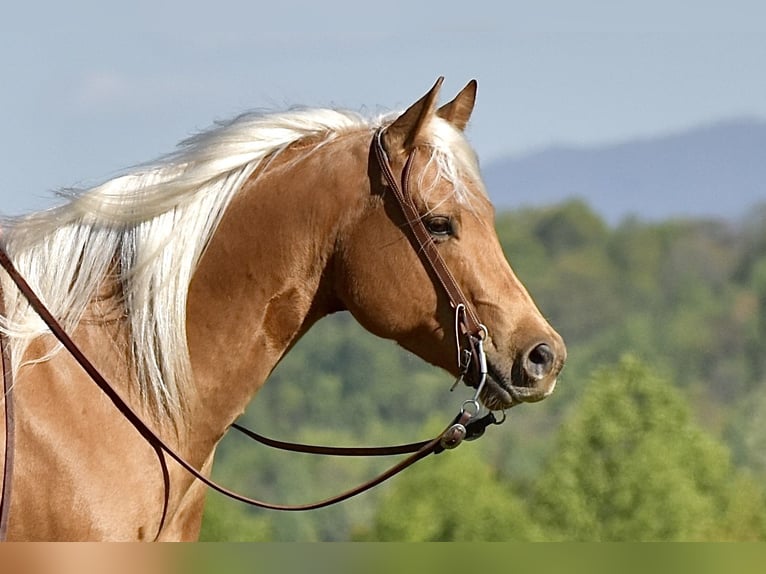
264	278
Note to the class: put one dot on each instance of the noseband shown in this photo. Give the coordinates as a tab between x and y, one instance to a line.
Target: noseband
470	335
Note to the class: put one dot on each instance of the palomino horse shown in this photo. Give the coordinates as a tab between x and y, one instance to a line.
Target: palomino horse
186	280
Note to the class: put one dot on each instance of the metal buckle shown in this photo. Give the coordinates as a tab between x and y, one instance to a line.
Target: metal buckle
453	436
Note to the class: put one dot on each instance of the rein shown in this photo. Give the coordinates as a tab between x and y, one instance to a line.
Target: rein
466	425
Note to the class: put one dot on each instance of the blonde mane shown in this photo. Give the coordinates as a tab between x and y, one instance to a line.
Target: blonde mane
147	229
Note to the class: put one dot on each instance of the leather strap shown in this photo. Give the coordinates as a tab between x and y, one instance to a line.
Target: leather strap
474	429
424	242
467	323
331	450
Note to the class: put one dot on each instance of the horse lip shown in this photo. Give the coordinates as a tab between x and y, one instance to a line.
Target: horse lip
502	389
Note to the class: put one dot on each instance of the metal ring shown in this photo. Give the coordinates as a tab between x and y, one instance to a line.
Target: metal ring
472	402
502	420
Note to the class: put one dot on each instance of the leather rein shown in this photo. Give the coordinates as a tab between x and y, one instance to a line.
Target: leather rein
466	425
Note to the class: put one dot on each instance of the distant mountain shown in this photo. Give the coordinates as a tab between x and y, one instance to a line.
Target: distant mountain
712	171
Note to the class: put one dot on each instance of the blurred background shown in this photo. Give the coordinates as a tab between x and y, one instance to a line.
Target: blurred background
624	146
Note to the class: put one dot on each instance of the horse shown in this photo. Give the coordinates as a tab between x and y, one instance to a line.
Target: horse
186	280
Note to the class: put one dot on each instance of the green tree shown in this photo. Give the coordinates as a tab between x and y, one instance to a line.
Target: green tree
758	329
229	520
570	226
455	496
632	465
747	431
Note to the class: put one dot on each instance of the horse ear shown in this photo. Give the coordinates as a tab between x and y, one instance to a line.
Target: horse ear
458	111
402	134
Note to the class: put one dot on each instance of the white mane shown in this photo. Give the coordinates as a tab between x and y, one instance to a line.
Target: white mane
147	229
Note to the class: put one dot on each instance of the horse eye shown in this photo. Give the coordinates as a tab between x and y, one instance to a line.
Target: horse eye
439	226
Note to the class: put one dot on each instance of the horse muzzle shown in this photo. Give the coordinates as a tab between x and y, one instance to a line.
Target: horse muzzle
530	377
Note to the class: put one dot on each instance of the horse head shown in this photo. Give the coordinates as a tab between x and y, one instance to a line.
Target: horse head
380	276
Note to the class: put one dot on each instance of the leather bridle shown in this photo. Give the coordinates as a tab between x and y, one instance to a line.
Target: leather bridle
467	324
469	334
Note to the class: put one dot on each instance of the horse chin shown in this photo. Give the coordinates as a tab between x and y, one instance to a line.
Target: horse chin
496	397
500	393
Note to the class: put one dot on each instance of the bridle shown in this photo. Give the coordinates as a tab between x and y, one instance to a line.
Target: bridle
467	324
470	334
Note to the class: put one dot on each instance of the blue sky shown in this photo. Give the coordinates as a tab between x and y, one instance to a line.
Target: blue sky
88	87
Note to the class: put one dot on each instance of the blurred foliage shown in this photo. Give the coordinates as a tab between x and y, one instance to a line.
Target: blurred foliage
631	465
456	496
666	444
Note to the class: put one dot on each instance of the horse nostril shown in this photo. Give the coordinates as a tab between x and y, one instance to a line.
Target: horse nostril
539	361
